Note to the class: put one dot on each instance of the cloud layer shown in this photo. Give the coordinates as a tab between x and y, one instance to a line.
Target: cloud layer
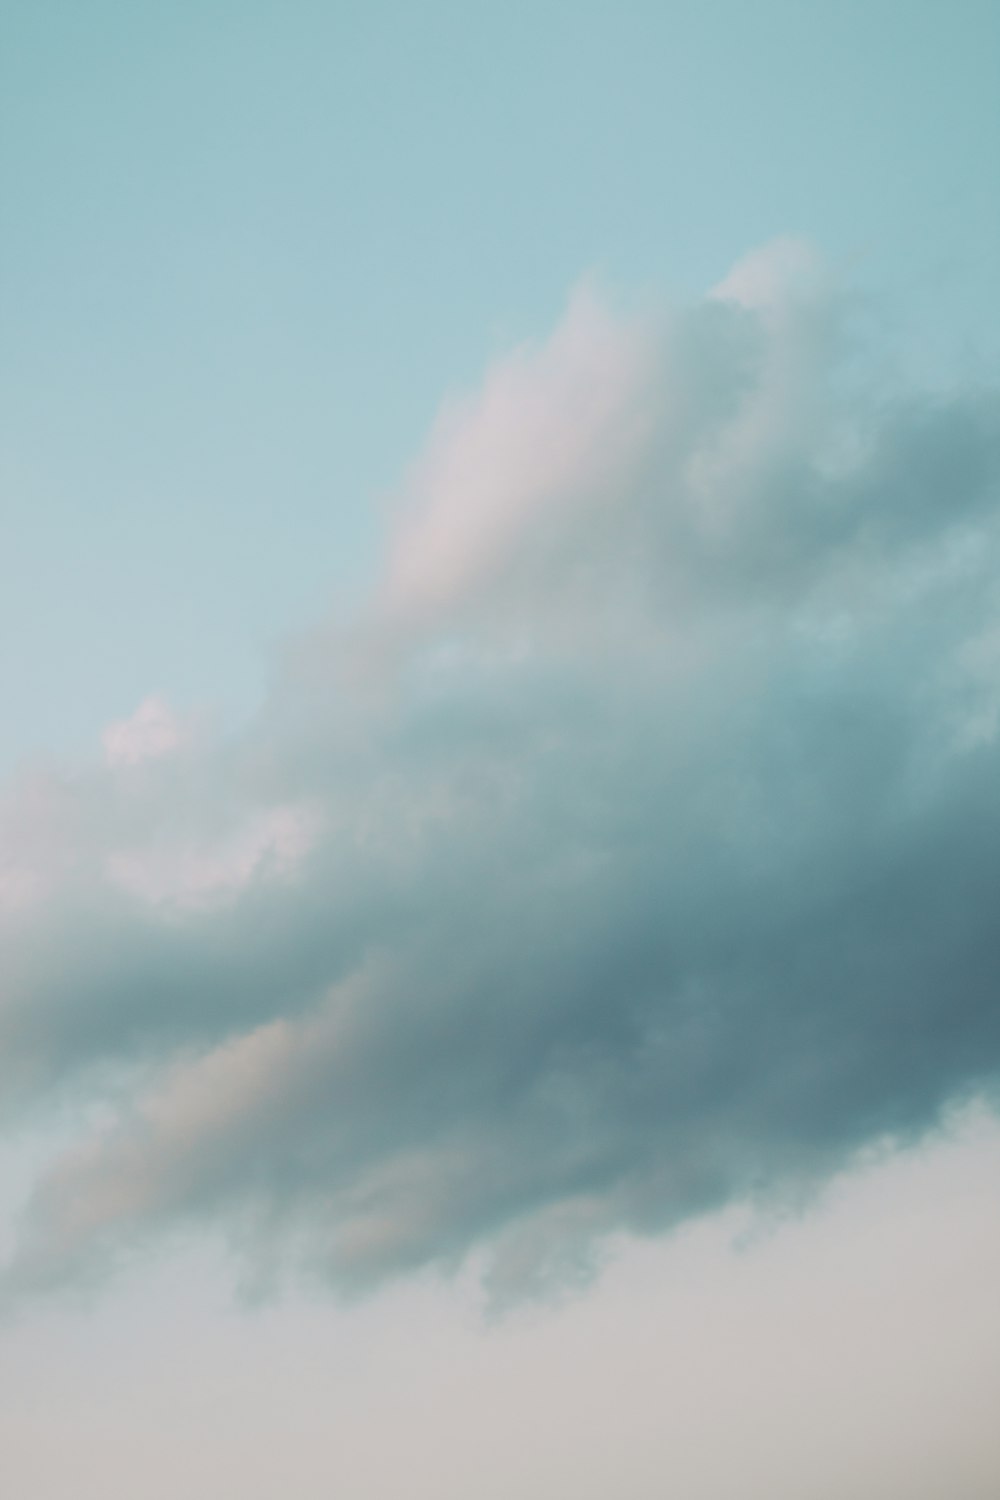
631	851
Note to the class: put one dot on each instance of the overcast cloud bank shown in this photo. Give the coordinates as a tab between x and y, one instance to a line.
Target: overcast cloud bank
632	851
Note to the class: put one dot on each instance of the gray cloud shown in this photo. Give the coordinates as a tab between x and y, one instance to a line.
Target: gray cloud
634	850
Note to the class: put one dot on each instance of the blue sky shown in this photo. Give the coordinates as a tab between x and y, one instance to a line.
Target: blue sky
500	654
247	251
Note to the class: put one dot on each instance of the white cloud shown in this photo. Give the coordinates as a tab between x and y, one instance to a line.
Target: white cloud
656	873
552	429
270	843
152	731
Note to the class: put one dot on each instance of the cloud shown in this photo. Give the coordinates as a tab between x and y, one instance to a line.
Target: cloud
151	731
183	873
631	852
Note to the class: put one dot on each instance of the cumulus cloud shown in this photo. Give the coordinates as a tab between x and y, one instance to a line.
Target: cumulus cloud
633	850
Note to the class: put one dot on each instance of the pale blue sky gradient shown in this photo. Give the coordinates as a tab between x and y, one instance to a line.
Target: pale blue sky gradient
247	248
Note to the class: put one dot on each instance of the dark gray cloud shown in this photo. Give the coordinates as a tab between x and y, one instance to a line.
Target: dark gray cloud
635	850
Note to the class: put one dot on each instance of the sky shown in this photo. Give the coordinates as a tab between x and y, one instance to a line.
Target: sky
500	655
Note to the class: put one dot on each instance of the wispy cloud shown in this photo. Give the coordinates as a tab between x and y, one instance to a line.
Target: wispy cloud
632	850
